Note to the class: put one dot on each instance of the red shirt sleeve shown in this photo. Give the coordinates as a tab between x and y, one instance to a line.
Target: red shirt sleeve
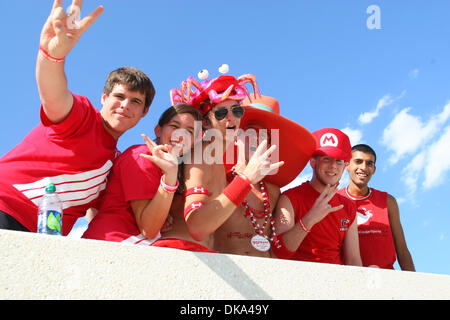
80	118
139	176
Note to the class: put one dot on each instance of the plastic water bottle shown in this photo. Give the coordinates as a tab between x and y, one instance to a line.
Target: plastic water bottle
50	212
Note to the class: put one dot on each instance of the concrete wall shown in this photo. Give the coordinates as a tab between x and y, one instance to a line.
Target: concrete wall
44	267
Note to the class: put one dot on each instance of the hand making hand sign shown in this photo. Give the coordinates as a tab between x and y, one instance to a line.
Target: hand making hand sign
259	164
62	31
163	157
321	208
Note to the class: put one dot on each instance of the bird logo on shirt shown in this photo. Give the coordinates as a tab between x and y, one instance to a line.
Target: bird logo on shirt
363	217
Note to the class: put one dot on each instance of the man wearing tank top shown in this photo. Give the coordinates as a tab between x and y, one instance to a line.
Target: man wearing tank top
381	238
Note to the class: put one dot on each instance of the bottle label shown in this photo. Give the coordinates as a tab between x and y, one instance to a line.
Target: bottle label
50	222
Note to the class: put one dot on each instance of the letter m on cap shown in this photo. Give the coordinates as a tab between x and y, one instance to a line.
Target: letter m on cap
329	140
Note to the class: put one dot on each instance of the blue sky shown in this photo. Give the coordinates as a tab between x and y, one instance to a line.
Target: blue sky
387	87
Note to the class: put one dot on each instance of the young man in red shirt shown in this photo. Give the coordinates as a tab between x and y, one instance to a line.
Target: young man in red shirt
74	146
381	237
314	223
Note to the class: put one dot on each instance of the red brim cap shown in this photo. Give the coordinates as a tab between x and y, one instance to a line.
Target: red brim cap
334	153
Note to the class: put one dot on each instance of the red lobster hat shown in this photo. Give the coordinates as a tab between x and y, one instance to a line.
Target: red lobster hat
202	95
296	144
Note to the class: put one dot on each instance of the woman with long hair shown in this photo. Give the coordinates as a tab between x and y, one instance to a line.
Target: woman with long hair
144	181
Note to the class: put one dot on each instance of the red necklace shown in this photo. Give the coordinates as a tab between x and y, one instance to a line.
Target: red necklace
265	213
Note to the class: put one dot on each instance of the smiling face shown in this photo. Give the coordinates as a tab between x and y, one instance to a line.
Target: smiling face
361	168
122	109
230	122
179	132
326	170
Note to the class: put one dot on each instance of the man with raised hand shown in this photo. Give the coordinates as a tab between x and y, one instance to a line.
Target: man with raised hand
74	146
316	224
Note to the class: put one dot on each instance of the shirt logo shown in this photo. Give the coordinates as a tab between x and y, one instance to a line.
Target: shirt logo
363	217
329	140
344	224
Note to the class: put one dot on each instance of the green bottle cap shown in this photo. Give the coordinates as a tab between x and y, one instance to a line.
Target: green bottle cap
50	188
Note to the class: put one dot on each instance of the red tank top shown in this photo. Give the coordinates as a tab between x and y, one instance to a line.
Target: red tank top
325	241
375	237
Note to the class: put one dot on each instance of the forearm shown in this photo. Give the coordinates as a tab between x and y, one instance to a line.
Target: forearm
405	261
152	217
352	254
294	237
52	85
209	217
152	213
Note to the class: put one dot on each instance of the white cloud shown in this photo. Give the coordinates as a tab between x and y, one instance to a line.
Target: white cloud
428	143
354	135
408	134
403	135
412	171
367	117
438	162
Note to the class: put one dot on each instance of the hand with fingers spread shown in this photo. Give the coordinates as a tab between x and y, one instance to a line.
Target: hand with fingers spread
259	164
58	36
321	207
162	156
61	32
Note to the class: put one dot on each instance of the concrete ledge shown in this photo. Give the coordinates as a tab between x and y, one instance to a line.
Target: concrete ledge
44	267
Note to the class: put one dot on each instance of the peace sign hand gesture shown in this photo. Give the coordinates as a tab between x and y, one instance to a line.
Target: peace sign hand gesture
259	164
61	32
321	207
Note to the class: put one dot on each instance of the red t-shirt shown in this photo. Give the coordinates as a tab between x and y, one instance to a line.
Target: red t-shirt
132	178
76	155
375	237
324	242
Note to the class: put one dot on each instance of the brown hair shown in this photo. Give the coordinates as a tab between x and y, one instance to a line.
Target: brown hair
179	108
134	79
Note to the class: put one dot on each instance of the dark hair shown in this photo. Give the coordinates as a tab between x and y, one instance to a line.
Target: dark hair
164	119
179	108
366	149
134	79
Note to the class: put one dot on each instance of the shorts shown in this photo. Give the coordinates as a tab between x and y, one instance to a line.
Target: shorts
7	222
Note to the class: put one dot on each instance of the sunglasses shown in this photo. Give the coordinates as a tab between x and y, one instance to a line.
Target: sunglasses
221	113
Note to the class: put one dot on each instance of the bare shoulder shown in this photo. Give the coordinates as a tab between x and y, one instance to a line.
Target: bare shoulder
391	202
393	210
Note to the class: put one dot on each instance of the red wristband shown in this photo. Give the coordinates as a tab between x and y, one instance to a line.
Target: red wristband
238	189
49	57
166	187
194	205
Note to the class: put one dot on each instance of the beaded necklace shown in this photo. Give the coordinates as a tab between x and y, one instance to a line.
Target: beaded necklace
261	241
